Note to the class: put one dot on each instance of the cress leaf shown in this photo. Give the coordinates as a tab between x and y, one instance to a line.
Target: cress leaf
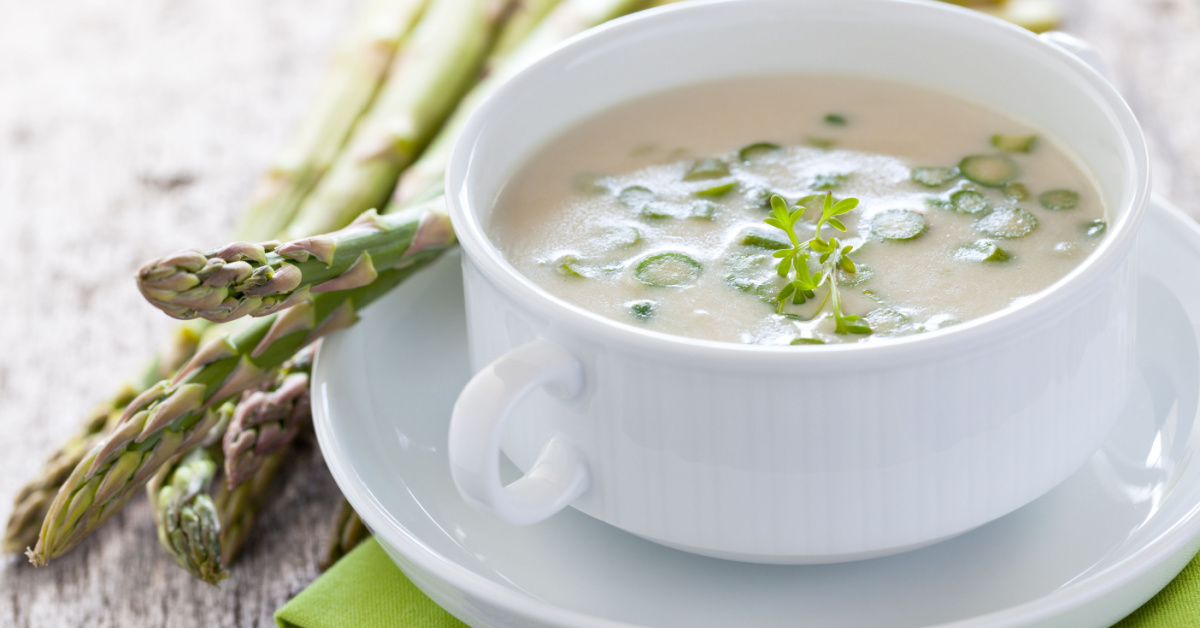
801	264
845	206
785	266
800	295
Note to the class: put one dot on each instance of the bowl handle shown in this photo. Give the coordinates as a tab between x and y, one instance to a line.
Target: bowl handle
1077	47
560	473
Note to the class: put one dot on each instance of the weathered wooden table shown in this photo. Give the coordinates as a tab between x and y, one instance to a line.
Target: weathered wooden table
129	128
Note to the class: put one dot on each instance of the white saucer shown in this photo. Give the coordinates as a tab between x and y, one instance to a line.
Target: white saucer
1086	554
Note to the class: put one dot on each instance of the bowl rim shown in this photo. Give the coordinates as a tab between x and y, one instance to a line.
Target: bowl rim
568	317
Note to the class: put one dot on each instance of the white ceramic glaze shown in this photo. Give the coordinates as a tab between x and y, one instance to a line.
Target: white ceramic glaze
1084	555
795	455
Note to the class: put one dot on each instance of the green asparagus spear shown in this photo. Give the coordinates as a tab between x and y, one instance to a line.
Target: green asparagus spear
266	421
348	531
189	525
33	501
170	417
202	522
423	86
239	507
524	19
259	279
568	18
1038	16
358	68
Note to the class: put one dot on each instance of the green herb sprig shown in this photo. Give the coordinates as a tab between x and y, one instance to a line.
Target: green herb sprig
794	262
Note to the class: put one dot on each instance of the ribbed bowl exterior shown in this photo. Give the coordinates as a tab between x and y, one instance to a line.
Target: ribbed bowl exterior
817	464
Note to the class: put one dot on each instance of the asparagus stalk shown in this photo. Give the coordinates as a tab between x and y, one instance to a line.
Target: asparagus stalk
348	531
359	66
974	3
524	19
423	86
239	507
266	421
33	501
189	525
1038	16
203	522
568	18
170	417
259	279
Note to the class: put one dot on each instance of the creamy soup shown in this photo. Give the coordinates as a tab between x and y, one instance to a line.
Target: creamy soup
654	213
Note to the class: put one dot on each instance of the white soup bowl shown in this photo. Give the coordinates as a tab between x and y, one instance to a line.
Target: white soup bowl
792	454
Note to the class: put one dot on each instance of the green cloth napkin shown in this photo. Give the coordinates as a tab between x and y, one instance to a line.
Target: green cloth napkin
1176	606
366	590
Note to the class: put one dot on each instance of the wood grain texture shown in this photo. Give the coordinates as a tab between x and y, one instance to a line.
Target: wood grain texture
129	128
1152	48
133	127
